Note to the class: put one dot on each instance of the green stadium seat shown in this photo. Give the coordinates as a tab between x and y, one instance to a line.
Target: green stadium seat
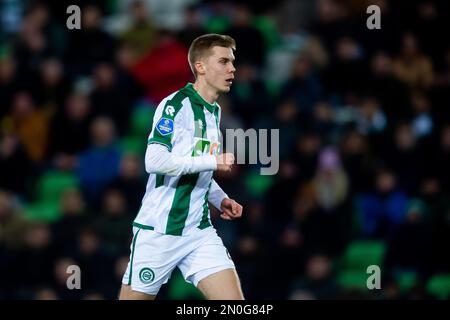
439	286
362	253
141	120
273	87
217	24
258	184
135	145
405	280
179	289
52	184
43	212
352	279
269	31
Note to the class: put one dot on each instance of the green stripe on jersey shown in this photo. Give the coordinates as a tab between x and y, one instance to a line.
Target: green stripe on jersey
180	206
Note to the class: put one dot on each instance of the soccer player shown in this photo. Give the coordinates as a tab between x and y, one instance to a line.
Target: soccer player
173	226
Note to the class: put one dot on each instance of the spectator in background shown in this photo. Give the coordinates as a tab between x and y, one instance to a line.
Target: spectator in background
407	248
12	223
193	25
317	283
427	20
286	117
60	277
254	242
12	156
31	266
74	216
249	97
412	66
406	158
141	36
30	124
331	188
356	160
99	164
251	42
305	154
324	122
330	22
109	99
303	87
382	210
69	131
32	46
90	45
391	92
349	60
422	122
114	221
330	181
370	118
39	14
10	83
169	74
130	182
52	85
94	261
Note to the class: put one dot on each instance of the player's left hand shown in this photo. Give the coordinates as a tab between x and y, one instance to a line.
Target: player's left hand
230	209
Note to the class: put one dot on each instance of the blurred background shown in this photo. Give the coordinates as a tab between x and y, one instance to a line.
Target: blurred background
364	119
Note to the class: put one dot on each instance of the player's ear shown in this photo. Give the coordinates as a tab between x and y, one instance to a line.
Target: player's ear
200	67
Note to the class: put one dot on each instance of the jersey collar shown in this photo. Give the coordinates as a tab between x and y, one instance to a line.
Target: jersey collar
198	99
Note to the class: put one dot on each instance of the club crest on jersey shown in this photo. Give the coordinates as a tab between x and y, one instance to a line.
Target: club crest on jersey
165	126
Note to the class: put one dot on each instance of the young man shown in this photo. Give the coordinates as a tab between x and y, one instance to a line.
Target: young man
173	226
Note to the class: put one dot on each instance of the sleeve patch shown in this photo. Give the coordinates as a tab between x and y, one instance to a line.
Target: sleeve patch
164	126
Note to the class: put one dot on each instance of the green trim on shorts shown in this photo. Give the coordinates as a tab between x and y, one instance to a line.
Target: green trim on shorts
132	256
142	226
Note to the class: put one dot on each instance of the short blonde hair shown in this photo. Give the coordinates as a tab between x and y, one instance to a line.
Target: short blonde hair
201	47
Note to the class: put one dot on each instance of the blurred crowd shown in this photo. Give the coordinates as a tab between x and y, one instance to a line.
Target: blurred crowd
364	124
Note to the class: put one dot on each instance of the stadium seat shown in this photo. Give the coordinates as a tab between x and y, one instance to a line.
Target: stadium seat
439	286
179	289
352	279
405	280
131	144
141	120
217	24
43	211
257	184
362	253
268	29
52	184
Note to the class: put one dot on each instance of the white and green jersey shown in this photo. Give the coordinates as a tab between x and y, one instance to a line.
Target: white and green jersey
189	127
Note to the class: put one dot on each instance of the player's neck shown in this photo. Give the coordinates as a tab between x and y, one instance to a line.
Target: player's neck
208	94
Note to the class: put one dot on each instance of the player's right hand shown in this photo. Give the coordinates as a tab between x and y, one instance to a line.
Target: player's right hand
225	162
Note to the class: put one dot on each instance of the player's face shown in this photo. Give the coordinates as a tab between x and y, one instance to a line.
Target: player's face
219	69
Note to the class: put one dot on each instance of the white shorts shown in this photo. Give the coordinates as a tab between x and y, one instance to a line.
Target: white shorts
155	255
